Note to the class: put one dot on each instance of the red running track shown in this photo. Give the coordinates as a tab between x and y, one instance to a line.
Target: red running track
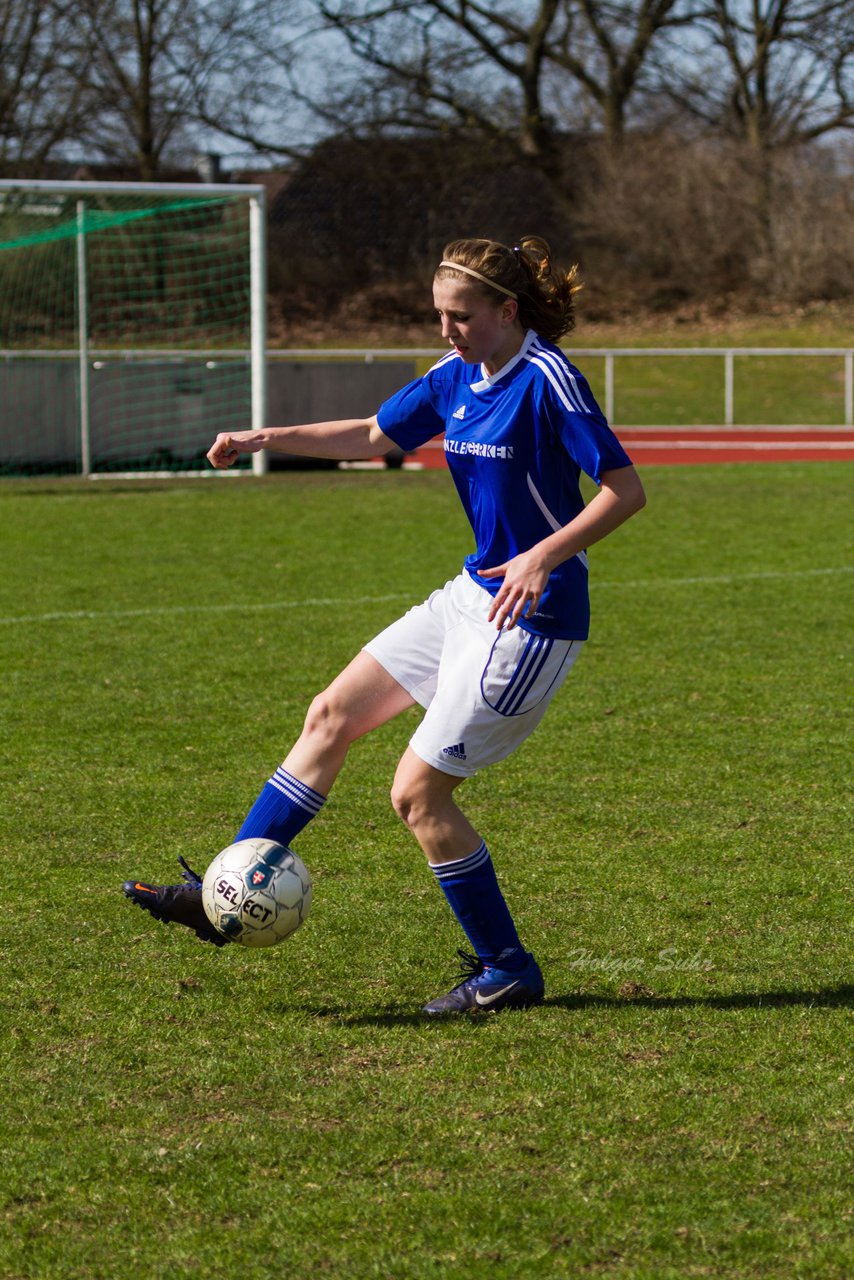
689	446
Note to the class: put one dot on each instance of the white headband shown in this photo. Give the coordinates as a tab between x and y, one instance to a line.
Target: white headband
470	271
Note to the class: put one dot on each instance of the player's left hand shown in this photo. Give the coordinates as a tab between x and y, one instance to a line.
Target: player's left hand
525	578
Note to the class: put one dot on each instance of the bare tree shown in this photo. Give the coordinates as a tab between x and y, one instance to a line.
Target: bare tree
43	99
140	49
772	72
608	49
164	72
246	66
504	68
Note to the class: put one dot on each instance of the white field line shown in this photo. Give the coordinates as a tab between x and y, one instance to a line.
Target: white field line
723	579
92	615
107	615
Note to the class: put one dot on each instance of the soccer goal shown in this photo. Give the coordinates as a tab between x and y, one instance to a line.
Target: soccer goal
132	324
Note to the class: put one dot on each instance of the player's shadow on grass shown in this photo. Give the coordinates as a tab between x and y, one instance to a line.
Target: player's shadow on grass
397	1015
824	998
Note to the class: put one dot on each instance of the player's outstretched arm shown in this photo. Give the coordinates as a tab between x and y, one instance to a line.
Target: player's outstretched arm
350	439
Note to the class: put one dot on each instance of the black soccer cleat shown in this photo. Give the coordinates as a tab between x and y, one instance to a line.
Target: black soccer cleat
179	902
485	989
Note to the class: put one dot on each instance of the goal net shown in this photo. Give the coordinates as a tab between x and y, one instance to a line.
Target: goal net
131	324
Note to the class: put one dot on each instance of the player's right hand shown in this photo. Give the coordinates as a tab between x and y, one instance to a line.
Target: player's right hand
229	445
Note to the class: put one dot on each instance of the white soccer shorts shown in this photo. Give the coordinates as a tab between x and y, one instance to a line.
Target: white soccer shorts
484	691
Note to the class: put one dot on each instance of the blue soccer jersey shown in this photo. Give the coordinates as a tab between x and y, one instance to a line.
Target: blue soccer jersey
516	443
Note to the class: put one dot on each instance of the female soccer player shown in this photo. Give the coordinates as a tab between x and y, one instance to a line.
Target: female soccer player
485	654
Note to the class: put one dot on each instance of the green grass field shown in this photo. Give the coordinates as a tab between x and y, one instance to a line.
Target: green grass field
673	842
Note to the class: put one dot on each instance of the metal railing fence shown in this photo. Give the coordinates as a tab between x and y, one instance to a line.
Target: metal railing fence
611	354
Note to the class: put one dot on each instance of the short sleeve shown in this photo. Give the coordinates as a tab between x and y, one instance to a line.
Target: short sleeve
584	432
416	413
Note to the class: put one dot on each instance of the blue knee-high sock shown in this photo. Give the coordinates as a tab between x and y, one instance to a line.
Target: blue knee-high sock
284	806
471	887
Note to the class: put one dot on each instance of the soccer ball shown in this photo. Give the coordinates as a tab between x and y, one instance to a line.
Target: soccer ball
256	892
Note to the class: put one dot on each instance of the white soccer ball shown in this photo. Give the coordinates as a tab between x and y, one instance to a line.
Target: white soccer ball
256	892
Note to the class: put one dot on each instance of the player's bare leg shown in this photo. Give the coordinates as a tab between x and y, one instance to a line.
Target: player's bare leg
361	698
501	974
423	797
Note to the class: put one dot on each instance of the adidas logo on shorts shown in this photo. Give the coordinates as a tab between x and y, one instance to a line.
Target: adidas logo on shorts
458	752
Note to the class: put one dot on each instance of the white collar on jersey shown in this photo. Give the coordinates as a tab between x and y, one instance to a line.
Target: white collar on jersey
490	379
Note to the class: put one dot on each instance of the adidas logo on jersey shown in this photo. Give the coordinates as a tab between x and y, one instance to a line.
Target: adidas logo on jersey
458	752
459	413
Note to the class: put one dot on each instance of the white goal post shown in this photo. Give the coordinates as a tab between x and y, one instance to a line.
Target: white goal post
132	323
